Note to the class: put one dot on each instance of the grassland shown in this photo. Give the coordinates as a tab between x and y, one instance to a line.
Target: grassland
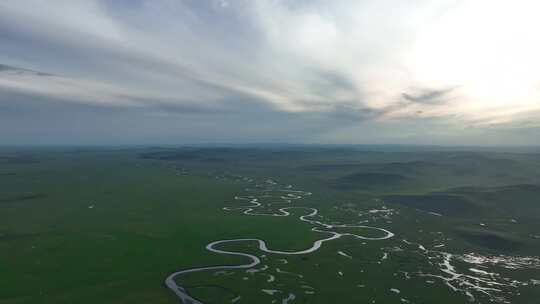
108	225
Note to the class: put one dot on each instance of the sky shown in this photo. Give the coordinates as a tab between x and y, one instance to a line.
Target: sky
252	71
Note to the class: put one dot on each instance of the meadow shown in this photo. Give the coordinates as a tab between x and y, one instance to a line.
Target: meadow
108	225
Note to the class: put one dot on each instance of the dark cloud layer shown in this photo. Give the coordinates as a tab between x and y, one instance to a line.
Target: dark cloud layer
429	96
8	68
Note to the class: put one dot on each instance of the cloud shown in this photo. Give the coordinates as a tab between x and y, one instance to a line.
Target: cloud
330	66
428	96
10	69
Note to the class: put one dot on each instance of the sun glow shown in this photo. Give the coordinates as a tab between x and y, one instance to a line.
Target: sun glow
487	48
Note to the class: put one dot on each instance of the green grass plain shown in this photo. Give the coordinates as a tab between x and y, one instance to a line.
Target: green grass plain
108	225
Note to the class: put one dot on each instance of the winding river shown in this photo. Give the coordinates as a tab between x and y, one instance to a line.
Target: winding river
255	208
